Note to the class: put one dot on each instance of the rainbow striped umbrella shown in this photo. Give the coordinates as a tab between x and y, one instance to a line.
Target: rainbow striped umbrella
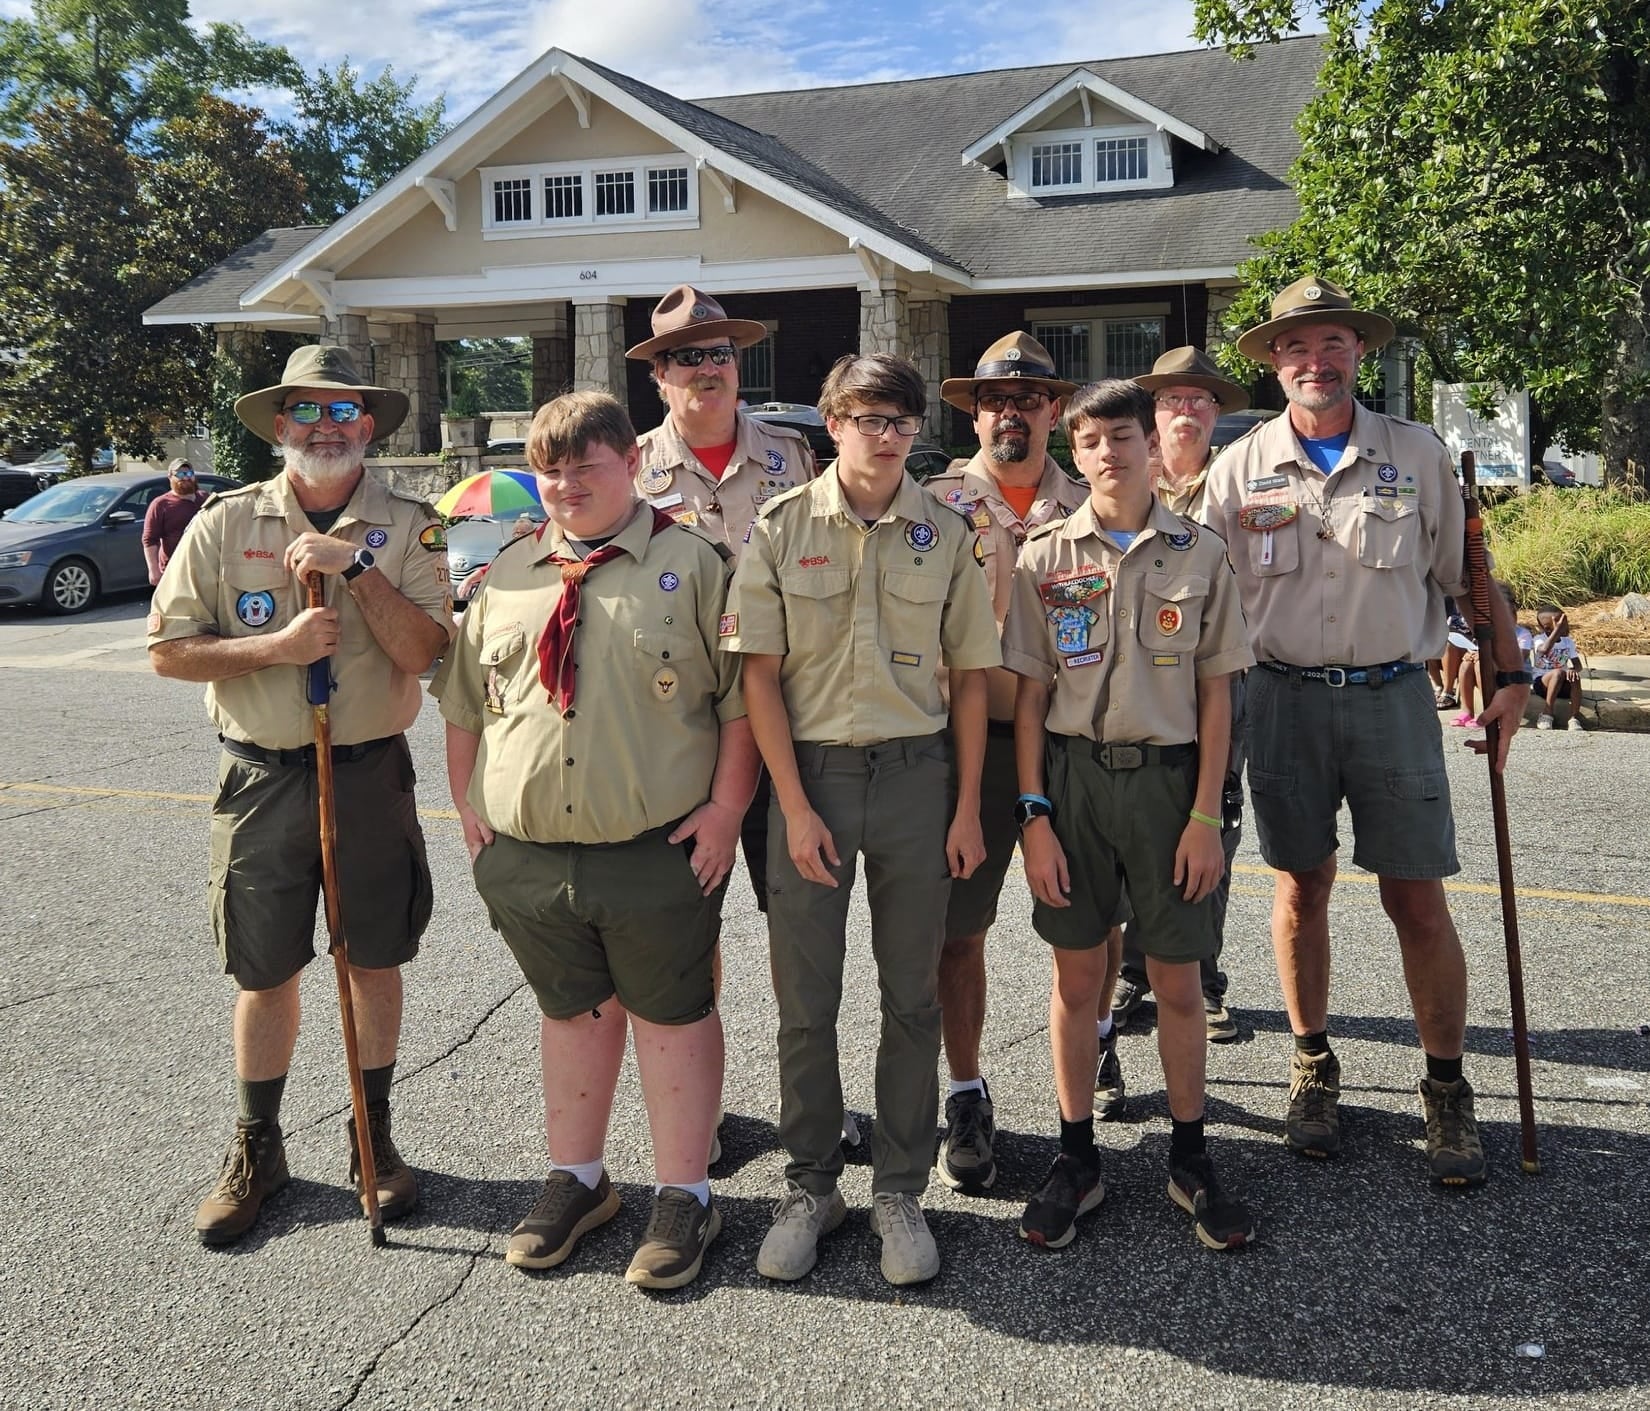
490	492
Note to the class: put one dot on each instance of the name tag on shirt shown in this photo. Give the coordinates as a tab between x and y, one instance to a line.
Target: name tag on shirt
1269	482
664	502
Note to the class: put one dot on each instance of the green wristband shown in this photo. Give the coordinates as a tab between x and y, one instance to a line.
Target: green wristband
1204	818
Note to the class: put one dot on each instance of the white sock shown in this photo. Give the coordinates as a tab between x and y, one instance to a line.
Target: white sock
588	1172
966	1085
699	1189
1103	1027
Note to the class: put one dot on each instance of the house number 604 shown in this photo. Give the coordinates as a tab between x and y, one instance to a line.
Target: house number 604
588	274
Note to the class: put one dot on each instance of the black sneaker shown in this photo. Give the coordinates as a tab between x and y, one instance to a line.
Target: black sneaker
1127	999
565	1211
1455	1155
254	1168
1220	1221
1073	1188
678	1233
1110	1096
965	1162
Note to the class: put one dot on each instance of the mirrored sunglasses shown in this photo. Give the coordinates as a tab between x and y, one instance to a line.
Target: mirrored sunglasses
308	413
722	354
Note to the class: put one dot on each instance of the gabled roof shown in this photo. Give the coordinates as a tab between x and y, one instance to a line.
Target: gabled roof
215	296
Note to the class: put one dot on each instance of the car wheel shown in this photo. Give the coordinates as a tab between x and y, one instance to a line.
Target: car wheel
71	586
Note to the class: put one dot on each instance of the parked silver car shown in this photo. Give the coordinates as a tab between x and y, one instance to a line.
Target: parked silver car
81	538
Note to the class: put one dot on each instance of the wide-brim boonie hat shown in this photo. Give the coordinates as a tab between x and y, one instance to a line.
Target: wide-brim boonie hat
688	315
330	368
1018	355
1314	300
1191	367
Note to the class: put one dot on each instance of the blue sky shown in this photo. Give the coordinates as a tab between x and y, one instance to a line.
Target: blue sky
699	48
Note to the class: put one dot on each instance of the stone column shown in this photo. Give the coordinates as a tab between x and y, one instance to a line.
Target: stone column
552	357
349	331
885	321
409	366
930	351
598	347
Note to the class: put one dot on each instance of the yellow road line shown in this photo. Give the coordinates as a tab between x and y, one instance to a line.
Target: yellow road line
84	792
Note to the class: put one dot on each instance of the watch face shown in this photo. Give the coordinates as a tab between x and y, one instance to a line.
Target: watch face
364	558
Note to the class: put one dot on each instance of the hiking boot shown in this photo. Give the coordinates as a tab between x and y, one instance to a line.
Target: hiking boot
965	1162
909	1254
1220	1221
1313	1125
1110	1096
1454	1153
254	1168
397	1186
791	1246
1218	1025
565	1211
1127	999
679	1231
1073	1188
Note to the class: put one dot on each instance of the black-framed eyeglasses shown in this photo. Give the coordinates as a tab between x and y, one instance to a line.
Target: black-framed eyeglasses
872	424
722	354
1023	401
309	413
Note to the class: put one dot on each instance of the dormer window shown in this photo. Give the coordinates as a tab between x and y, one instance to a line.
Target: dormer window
1079	160
560	198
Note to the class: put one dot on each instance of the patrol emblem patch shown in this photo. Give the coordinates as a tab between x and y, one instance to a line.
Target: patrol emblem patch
431	538
377	538
669	582
1071	623
922	536
776	462
906	658
255	609
1265	518
656	479
1074	591
1169	620
1387	474
729	625
1183	541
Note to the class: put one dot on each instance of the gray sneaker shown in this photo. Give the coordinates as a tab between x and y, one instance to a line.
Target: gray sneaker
1110	1095
1313	1124
791	1246
564	1213
965	1162
678	1233
909	1254
1218	1025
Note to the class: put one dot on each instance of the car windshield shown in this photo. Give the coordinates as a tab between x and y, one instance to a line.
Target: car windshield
73	502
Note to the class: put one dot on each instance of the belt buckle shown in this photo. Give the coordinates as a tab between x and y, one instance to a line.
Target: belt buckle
1122	757
1334	676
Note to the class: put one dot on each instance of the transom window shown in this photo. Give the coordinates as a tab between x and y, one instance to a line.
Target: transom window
1085	348
557	197
1080	160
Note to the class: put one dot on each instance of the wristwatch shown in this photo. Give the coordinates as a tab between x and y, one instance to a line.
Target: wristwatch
1511	678
363	561
1029	806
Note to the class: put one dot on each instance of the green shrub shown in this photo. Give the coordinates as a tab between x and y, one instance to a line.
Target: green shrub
1571	546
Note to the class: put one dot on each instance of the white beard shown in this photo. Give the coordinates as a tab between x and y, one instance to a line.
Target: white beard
323	470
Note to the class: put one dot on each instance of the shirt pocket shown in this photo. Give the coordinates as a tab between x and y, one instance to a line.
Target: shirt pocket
1387	532
261	598
503	654
1272	551
912	607
1171	611
817	609
671	669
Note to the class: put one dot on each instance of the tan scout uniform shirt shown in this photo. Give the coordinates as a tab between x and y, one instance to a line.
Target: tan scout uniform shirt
1373	590
638	747
1124	638
227	580
863	616
1186	500
970	489
767	461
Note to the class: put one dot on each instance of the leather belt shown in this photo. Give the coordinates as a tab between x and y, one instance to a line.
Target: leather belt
1338	676
1111	756
303	756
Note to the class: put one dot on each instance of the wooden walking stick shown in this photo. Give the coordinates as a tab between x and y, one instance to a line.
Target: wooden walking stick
320	694
1484	630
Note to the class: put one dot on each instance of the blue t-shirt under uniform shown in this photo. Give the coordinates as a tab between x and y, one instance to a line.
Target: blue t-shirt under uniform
1325	451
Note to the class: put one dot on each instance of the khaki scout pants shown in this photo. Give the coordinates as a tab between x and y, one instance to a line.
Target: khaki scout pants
892	803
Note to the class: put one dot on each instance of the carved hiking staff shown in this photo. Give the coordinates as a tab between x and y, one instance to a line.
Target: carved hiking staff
320	694
1483	629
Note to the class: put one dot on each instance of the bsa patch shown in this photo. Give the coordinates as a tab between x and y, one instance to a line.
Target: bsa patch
155	622
1263	519
776	462
665	682
255	609
1075	590
729	625
906	658
656	479
377	538
921	536
1087	659
1182	541
433	539
1169	620
669	582
1166	659
1071	623
1387	474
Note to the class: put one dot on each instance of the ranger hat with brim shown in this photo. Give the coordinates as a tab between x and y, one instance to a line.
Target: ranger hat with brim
1314	300
1191	367
328	369
1017	356
689	315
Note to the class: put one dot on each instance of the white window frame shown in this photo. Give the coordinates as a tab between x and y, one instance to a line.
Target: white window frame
771	388
1159	168
1096	319
586	171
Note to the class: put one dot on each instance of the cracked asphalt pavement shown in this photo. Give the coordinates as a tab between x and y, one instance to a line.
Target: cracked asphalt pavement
1365	1289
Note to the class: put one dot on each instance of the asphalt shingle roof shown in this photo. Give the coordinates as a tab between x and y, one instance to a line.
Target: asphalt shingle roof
219	290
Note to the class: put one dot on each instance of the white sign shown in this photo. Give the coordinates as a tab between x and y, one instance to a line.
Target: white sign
1500	443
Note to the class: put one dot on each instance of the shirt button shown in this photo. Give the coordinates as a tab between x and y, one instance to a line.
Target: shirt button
664	656
568	713
568	760
569	808
1331	617
1331	573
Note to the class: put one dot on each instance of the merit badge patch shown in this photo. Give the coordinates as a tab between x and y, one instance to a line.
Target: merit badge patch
669	582
1182	541
1074	591
776	462
255	609
728	626
906	658
1387	474
1071	623
1087	659
377	538
665	682
1166	659
1169	620
921	536
656	479
430	537
1265	518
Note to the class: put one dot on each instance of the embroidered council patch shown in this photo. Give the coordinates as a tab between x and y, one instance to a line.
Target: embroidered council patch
377	538
1264	518
729	625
